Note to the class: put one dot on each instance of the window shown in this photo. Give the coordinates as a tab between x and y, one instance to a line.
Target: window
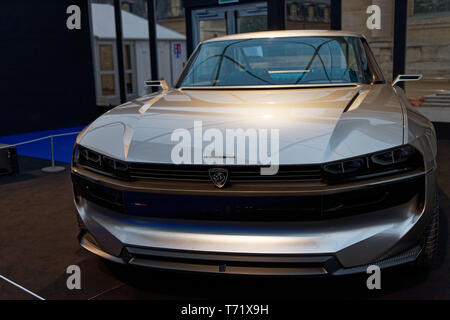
169	9
323	13
293	11
108	74
108	85
212	28
106	57
252	23
127	6
175	8
431	6
311	14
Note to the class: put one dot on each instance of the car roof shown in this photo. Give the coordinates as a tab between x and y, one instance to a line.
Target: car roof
287	33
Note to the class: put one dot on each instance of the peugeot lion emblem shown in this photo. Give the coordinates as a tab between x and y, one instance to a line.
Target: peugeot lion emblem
218	176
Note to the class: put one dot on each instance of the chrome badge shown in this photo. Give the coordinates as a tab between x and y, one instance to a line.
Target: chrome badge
218	176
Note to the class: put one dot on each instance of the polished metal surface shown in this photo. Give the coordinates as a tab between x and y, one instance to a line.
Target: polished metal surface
312	125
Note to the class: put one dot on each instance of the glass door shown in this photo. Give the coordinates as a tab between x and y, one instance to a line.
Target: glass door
251	18
212	28
222	20
209	23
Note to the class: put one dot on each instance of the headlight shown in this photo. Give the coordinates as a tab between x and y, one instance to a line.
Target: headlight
393	156
404	158
344	166
91	157
118	168
95	160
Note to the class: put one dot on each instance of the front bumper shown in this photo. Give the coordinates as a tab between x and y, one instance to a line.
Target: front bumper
243	264
386	237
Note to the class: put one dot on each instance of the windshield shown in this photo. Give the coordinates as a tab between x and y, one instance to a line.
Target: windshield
280	61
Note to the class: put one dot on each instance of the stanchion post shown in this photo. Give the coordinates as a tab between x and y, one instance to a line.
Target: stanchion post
53	168
53	154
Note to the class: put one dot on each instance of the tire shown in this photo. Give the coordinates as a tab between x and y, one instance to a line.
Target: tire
430	239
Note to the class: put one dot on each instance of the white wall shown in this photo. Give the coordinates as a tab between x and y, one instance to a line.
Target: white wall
142	66
164	61
169	66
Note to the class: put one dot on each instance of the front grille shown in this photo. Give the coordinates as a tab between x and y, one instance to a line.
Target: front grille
101	195
253	208
235	172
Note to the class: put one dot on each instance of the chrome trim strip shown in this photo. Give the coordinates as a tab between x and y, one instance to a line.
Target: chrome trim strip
191	267
219	256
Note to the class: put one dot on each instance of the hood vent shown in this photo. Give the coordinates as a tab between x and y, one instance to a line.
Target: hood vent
356	100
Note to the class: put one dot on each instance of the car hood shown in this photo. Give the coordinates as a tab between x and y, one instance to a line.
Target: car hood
315	125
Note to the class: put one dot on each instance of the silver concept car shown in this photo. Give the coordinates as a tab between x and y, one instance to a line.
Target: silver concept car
279	153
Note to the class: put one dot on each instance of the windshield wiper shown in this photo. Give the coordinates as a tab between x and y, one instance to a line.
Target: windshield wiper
244	69
316	51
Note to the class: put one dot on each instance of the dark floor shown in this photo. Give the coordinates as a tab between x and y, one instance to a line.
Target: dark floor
37	244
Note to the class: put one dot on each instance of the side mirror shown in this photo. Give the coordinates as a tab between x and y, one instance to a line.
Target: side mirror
406	77
157	83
